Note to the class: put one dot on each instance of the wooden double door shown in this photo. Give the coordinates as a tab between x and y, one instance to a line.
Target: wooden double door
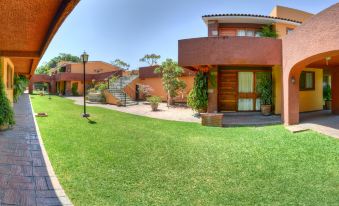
237	90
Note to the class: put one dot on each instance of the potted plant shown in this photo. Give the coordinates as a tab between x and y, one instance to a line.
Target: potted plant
264	88
6	110
198	96
154	101
327	97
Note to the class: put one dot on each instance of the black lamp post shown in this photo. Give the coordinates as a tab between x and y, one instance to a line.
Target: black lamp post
84	59
49	86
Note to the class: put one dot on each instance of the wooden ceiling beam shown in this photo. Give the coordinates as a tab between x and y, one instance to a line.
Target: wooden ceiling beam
20	54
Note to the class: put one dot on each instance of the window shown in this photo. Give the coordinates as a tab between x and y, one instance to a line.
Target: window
289	30
241	32
249	33
307	81
9	77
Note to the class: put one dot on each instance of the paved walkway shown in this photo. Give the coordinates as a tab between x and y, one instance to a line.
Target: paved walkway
182	114
323	122
26	176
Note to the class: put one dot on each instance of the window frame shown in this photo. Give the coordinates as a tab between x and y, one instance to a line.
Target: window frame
313	81
289	30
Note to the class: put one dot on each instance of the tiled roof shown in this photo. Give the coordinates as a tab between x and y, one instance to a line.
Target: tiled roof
252	15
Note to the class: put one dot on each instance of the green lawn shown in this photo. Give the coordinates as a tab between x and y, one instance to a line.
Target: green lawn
124	159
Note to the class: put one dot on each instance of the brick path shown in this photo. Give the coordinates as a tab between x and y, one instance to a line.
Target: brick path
26	176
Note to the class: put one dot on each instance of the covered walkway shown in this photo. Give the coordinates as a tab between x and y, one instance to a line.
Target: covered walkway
26	175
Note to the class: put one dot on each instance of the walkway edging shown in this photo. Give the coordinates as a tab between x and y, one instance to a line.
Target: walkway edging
62	196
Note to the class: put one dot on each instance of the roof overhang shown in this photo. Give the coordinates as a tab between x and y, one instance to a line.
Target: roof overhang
27	27
248	19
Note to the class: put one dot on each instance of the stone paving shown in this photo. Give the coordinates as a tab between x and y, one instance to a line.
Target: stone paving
177	113
26	175
323	122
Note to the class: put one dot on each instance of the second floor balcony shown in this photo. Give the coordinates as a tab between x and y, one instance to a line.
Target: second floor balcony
229	51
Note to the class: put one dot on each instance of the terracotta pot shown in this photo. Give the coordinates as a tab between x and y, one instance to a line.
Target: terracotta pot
171	101
204	110
154	107
328	104
266	109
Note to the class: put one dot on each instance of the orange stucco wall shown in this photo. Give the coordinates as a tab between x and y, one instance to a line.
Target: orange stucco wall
93	67
289	13
156	84
312	100
4	63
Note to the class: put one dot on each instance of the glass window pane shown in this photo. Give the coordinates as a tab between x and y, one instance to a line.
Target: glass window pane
245	104
245	81
249	33
257	104
309	80
241	33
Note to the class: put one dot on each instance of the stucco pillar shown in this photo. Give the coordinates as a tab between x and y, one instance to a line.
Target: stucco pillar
213	90
291	98
53	87
335	90
68	88
30	87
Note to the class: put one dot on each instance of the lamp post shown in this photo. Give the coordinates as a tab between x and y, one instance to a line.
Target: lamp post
84	59
49	86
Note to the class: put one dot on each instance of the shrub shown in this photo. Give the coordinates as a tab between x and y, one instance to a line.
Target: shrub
264	88
327	93
268	31
75	89
6	110
20	84
198	96
154	99
145	90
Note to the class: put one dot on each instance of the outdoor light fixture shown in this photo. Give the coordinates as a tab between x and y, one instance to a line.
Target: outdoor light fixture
292	80
84	59
327	59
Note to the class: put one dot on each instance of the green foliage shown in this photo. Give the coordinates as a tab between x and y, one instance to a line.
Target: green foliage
6	110
20	84
101	86
46	67
121	64
264	88
327	94
268	31
75	89
150	59
198	96
154	99
170	77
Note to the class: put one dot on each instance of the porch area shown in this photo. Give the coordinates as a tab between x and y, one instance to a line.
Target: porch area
323	122
233	119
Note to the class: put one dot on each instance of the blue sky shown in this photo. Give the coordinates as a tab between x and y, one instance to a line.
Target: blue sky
128	29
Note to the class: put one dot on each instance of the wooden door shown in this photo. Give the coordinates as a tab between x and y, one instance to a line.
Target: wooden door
227	94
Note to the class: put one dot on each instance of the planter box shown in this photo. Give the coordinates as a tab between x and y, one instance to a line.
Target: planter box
212	119
4	127
95	97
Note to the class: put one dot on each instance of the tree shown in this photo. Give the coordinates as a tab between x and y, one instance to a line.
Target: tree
20	84
46	67
121	64
150	59
170	78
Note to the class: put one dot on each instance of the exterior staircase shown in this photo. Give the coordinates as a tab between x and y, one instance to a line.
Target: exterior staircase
117	90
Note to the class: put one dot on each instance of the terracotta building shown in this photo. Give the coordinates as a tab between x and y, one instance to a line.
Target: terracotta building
26	33
67	75
234	56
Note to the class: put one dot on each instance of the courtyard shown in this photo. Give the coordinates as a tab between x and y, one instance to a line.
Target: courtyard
123	159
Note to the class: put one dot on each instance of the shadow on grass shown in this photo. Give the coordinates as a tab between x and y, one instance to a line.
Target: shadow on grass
91	121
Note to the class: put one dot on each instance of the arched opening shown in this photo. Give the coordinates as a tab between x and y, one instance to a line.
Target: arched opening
312	88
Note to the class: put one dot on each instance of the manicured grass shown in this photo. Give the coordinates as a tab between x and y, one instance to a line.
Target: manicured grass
124	159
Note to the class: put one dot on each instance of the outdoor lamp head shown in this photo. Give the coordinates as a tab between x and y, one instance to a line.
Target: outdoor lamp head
84	57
